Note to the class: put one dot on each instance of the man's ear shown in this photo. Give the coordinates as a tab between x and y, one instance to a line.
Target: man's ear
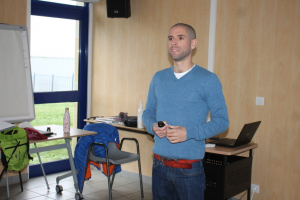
193	43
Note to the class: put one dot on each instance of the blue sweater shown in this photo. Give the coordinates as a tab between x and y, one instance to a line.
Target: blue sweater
186	102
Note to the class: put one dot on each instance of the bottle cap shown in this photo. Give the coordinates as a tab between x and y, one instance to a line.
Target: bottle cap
67	108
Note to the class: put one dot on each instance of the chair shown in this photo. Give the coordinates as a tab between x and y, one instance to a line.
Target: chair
114	156
7	184
5	170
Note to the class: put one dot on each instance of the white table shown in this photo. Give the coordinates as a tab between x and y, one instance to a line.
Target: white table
59	134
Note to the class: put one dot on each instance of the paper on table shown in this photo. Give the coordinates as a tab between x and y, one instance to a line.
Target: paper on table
106	119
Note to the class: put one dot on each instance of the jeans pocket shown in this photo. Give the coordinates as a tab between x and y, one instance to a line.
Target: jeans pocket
155	163
196	170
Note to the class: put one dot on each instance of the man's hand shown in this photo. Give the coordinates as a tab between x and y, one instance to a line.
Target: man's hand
160	132
176	134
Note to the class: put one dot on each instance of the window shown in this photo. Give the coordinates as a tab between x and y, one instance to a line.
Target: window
59	38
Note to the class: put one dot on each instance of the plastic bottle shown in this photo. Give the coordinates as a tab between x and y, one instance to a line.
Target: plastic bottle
139	117
67	121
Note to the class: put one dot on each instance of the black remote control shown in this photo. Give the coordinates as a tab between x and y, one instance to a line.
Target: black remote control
160	124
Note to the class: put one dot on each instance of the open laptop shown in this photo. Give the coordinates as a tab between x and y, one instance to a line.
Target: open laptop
245	136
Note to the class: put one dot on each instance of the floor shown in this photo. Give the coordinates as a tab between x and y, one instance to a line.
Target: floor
124	188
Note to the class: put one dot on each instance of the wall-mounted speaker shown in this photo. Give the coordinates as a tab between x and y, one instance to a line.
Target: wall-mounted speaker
118	8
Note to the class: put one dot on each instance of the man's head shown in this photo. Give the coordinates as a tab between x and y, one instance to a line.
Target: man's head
190	30
181	42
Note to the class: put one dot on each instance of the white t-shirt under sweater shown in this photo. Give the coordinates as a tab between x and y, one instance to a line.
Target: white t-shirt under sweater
179	75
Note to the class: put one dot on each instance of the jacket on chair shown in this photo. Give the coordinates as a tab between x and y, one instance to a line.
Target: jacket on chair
105	133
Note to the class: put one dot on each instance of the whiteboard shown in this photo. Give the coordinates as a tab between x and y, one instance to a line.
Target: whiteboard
16	94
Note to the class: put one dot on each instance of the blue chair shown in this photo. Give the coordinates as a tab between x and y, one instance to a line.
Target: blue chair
115	156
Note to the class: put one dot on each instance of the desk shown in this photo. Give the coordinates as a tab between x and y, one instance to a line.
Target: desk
226	173
59	134
121	127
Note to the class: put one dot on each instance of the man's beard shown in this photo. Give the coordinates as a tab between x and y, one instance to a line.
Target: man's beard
181	56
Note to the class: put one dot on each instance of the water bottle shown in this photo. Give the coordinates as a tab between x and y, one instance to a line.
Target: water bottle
139	118
67	121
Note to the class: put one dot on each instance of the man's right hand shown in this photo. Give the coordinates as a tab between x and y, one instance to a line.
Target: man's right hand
160	132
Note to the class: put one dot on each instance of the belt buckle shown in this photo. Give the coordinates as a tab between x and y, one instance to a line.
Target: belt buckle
165	158
169	159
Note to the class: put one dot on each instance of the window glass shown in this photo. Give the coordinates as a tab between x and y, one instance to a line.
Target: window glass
54	54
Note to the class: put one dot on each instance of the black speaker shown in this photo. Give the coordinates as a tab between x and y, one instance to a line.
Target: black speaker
118	8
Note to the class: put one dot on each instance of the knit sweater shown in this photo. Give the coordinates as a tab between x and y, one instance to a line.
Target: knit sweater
186	102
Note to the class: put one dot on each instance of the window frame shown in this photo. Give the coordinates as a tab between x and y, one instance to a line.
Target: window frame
57	10
50	9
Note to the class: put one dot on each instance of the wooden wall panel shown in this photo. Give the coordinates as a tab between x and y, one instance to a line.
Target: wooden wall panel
257	55
13	12
127	52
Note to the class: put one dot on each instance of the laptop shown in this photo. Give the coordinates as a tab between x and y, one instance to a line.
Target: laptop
245	136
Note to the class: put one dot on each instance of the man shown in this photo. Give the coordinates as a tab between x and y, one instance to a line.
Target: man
182	96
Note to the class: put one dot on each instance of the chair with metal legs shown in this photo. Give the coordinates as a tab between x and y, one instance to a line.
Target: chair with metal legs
115	156
7	183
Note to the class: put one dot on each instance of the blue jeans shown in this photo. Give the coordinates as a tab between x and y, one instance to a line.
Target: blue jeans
169	183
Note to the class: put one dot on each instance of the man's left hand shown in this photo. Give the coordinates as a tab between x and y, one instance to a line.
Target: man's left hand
176	134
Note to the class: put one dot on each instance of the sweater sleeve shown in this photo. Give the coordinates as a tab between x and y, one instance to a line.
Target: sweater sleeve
219	116
149	114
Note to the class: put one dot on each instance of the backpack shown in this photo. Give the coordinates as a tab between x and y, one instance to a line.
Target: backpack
14	149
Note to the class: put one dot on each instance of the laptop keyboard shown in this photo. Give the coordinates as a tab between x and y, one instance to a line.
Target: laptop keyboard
228	141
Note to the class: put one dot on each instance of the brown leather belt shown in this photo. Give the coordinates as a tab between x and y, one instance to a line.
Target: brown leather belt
186	164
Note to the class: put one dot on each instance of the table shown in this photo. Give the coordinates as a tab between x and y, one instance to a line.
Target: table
59	134
226	173
121	127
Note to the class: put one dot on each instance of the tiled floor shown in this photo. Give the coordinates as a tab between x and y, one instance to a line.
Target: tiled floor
124	188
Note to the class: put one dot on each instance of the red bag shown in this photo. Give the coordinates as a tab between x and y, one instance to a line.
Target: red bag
33	134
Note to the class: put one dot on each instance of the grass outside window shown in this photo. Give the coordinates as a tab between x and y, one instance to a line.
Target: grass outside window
51	114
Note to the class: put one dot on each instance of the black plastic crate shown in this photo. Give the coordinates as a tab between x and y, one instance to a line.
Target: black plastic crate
226	176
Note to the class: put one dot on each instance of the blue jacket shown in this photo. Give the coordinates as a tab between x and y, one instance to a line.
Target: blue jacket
105	133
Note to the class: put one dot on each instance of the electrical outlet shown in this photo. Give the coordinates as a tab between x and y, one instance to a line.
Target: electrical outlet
260	101
255	188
